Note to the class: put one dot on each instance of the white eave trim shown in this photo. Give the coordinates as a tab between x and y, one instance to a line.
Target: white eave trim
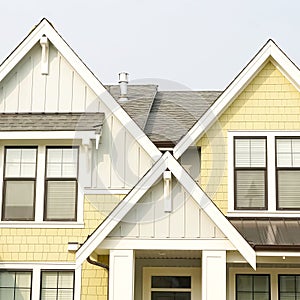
167	162
45	28
269	52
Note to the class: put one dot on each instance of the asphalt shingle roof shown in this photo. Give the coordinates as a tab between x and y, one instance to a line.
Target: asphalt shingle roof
51	121
139	103
164	116
174	113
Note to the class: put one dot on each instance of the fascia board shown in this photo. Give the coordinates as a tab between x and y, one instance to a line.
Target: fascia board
212	211
45	28
121	210
46	135
270	50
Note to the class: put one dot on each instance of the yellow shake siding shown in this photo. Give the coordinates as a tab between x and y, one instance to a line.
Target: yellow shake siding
269	102
94	281
49	244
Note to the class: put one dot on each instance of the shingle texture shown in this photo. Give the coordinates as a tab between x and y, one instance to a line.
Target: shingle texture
269	233
139	103
174	113
51	121
164	116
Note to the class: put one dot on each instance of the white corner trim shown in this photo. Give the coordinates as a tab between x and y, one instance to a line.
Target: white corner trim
269	50
45	28
167	161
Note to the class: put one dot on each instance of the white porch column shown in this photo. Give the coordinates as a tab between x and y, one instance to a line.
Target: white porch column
121	274
214	275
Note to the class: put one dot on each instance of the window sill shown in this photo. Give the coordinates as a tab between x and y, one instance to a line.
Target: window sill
264	214
32	224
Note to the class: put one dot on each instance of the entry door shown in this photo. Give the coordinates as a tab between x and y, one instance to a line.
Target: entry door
171	296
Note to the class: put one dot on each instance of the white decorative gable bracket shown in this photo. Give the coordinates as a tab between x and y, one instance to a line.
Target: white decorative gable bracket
44	42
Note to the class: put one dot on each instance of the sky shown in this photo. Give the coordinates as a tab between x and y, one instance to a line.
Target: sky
180	44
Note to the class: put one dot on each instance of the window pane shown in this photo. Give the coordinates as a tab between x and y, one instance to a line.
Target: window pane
19	200
65	294
28	170
61	200
261	296
261	283
250	153
54	170
287	283
242	153
6	293
69	170
70	155
171	282
244	296
28	155
22	294
49	279
258	152
13	155
65	280
12	170
23	279
54	155
288	189
49	294
250	189
7	279
287	296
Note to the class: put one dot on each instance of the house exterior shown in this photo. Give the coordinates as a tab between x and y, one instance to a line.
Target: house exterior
127	192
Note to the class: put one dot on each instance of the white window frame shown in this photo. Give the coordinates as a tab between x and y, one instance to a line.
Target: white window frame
271	174
195	274
231	291
40	187
37	268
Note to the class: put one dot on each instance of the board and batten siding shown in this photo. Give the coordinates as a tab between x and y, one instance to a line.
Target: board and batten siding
149	220
120	161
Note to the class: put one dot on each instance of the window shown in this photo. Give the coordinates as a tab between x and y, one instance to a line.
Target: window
289	287
252	287
250	173
163	287
15	285
288	173
56	285
61	184
19	183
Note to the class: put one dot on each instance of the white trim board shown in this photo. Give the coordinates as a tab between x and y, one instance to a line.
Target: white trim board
45	28
167	161
270	51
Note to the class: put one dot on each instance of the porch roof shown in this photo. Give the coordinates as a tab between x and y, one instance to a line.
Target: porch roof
269	233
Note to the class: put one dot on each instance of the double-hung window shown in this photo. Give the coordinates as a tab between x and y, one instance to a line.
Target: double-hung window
19	183
250	173
61	184
56	285
288	173
15	285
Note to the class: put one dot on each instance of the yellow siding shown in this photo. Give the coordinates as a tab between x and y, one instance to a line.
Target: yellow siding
269	102
51	244
94	281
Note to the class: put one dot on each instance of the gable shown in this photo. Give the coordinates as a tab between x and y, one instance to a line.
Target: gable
269	102
166	162
148	219
269	52
26	89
